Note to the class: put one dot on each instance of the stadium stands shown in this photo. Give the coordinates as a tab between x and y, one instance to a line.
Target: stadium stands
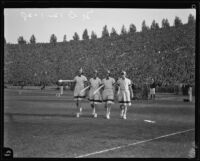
166	54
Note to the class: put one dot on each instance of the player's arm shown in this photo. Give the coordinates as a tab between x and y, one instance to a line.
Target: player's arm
63	82
113	82
66	81
72	83
101	84
101	87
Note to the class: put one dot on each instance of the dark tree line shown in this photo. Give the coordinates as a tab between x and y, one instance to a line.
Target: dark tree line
113	33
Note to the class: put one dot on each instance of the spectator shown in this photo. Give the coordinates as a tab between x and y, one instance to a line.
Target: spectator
44	80
145	91
152	89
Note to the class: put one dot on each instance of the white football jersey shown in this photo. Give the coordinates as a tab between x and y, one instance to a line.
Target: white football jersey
108	83
124	83
80	80
95	83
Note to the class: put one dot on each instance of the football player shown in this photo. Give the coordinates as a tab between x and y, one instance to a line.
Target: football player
125	93
94	92
79	94
108	93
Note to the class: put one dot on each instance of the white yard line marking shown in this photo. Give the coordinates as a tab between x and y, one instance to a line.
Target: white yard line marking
132	144
149	121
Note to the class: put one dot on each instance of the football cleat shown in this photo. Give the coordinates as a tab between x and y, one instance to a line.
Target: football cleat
124	117
107	116
77	115
95	115
121	114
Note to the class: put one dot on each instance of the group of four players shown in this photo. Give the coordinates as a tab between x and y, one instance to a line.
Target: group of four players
123	86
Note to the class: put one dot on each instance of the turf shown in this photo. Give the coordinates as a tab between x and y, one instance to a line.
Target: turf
39	124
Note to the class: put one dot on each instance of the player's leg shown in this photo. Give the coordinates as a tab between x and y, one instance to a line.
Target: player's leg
91	99
79	108
78	101
125	111
97	99
109	109
122	111
106	107
127	103
105	99
93	109
121	100
110	102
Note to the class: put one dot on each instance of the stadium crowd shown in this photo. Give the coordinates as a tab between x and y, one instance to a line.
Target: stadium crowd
166	54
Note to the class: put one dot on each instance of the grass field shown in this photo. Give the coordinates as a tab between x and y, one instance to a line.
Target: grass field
39	124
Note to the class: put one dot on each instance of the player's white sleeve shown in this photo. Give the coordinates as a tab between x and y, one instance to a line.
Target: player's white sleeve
129	82
85	78
113	81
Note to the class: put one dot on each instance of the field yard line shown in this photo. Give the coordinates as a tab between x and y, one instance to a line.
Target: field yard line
132	144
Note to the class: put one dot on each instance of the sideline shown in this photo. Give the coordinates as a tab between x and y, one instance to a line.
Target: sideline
132	144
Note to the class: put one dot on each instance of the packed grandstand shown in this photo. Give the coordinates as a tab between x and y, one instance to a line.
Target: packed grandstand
166	54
